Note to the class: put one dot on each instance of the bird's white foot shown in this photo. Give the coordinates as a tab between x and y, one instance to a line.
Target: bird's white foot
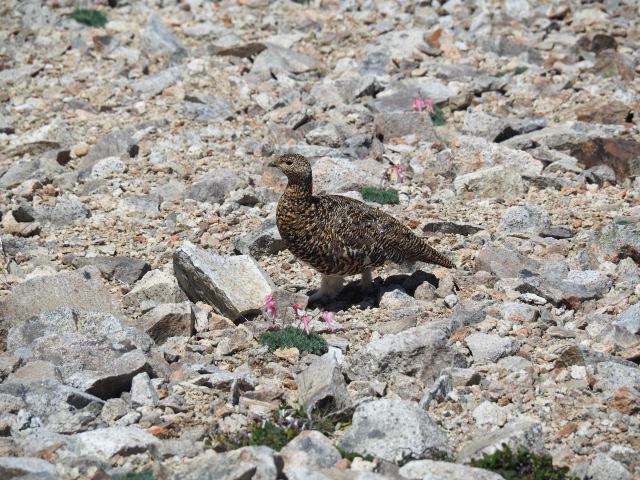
330	287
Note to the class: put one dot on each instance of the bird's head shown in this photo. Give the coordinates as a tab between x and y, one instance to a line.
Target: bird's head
294	166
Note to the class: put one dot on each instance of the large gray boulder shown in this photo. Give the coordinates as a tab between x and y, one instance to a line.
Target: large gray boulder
234	286
395	431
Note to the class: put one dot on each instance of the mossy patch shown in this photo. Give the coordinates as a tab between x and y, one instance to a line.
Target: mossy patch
90	17
294	337
437	117
522	465
144	475
380	196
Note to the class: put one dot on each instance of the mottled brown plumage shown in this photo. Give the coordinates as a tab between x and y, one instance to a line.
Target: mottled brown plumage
341	236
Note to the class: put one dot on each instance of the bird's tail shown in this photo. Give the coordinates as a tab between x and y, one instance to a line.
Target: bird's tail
430	255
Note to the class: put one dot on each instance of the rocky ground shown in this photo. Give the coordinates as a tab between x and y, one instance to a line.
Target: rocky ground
138	238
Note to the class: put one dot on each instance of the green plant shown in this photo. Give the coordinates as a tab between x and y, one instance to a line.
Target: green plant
519	70
380	196
294	337
351	455
90	17
144	475
437	117
271	435
522	465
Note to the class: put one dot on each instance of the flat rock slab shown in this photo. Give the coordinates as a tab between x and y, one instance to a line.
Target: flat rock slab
427	469
234	286
168	320
123	269
520	433
395	431
69	321
487	348
420	351
11	467
81	290
104	443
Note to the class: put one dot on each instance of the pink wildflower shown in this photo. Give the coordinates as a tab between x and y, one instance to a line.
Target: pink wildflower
269	305
305	320
328	319
429	105
399	171
418	104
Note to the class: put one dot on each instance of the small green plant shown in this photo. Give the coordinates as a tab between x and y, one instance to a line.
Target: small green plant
294	337
522	465
271	435
437	117
352	455
519	70
90	17
380	196
144	475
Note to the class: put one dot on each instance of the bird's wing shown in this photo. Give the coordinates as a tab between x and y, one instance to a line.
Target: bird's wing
364	232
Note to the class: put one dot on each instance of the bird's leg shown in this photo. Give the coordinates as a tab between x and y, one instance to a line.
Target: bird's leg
330	287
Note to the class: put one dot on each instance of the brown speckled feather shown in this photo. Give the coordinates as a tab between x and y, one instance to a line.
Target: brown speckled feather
339	235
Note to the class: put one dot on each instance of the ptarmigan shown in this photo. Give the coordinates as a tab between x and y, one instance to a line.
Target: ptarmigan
340	236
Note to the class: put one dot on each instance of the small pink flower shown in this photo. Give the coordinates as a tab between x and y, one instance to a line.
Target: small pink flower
269	305
418	104
429	105
328	319
305	320
399	171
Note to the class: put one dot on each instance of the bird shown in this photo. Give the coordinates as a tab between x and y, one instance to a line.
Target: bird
341	236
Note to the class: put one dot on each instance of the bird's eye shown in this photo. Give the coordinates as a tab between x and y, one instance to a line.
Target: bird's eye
289	162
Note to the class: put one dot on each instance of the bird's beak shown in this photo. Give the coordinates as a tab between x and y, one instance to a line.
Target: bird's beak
274	163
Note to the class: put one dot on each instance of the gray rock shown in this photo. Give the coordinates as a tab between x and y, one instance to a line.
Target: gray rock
240	339
610	376
157	39
322	383
277	60
155	83
526	218
233	286
268	464
340	175
395	431
155	288
168	320
44	399
81	290
228	466
557	231
603	467
67	209
34	371
487	348
310	449
493	182
122	269
113	409
621	240
214	186
206	108
630	319
17	467
556	288
399	124
94	365
504	262
399	97
395	298
117	143
265	240
142	390
420	352
104	443
328	135
483	124
70	321
432	469
520	433
107	167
